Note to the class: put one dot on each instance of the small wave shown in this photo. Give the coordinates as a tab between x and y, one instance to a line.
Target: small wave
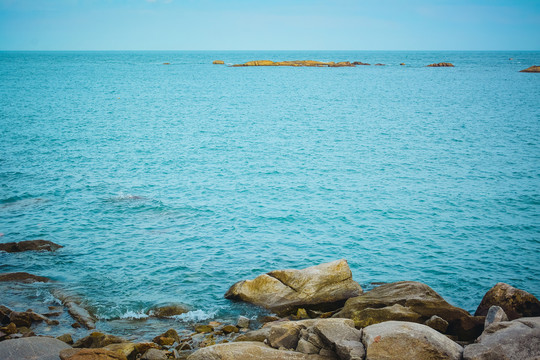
195	315
126	197
134	315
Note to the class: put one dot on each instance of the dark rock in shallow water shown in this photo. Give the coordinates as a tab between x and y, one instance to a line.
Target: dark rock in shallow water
75	309
29	245
4	314
324	286
22	277
31	348
516	303
168	311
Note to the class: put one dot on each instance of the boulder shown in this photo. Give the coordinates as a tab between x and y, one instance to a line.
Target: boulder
92	354
324	286
442	64
516	303
218	62
4	315
168	311
251	351
285	334
417	298
204	329
495	314
23	277
168	338
350	350
76	310
228	329
509	340
21	318
532	69
255	335
242	322
437	323
155	354
408	341
97	340
66	338
42	348
29	245
370	316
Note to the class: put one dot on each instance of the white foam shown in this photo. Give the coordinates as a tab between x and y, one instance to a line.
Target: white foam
196	315
133	315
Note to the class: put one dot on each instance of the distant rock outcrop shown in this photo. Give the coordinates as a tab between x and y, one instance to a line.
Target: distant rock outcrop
532	69
29	245
22	277
298	63
442	64
218	62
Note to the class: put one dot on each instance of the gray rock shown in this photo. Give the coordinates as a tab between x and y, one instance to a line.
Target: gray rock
507	340
408	341
285	334
29	245
243	322
76	310
495	314
334	330
324	286
327	353
350	350
306	347
251	351
437	323
31	348
255	335
154	354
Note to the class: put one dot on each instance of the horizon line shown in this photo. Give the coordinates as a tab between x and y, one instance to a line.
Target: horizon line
215	50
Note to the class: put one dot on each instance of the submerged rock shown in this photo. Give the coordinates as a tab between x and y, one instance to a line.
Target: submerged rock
251	351
22	277
509	340
31	348
168	311
532	69
29	245
324	286
442	64
76	310
412	298
516	303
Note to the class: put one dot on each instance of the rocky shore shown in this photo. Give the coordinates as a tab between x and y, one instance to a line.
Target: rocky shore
313	63
321	314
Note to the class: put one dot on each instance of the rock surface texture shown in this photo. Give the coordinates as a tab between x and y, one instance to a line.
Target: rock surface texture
324	286
507	340
416	302
32	348
29	245
516	303
408	341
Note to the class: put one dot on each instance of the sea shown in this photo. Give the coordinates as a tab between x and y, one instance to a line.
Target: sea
168	183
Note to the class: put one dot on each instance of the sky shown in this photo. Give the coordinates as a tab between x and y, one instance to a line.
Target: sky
269	25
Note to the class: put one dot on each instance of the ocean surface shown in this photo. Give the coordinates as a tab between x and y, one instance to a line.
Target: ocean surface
169	183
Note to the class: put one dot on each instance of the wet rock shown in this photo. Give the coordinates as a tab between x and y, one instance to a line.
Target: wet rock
76	310
227	329
31	348
204	329
324	286
380	64
94	354
255	335
418	298
251	351
166	63
218	62
341	64
442	64
4	315
408	341
516	303
243	322
509	340
11	328
437	323
360	63
168	311
155	354
66	338
21	318
22	277
532	69
97	340
402	64
167	338
127	349
29	245
141	348
495	314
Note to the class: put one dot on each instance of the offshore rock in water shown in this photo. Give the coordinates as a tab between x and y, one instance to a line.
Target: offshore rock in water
312	63
97	340
29	245
516	303
168	311
379	305
218	62
442	64
22	277
324	286
532	69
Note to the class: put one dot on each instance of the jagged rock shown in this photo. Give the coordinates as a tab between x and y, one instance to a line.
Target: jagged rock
155	354
333	330
418	298
4	315
285	334
305	347
516	303
21	318
509	340
167	338
255	335
92	354
76	310
324	286
168	311
350	350
11	328
442	64
29	245
22	277
126	348
370	316
66	338
227	329
31	348
437	323
243	322
408	341
204	328
251	351
218	62
532	69
495	314
97	340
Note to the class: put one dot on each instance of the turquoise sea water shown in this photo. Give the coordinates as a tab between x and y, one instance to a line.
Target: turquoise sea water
168	183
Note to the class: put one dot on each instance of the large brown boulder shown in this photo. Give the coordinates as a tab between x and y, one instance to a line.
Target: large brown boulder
23	277
324	286
378	305
508	340
516	303
408	341
91	354
249	350
532	69
29	245
97	340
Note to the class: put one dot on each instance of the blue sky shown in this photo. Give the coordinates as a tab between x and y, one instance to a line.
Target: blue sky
269	25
